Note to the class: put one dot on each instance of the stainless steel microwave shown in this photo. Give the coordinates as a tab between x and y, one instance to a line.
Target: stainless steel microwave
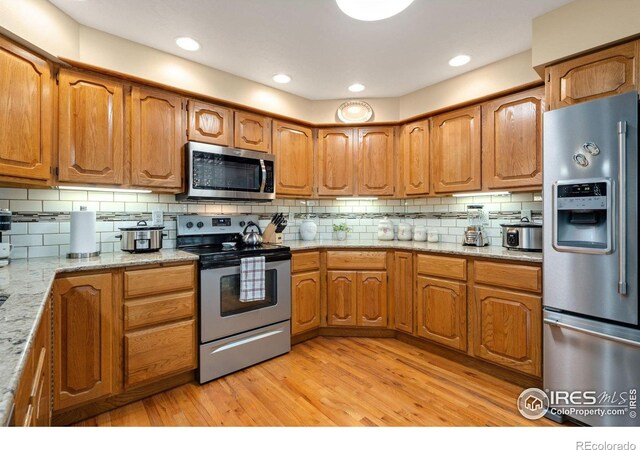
223	173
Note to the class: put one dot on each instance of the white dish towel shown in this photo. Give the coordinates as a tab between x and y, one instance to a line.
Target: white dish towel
252	279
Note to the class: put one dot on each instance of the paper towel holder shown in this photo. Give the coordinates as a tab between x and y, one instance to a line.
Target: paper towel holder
87	254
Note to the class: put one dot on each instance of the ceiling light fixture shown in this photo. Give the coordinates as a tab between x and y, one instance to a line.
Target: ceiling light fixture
187	43
480	194
356	87
281	78
97	189
370	10
459	60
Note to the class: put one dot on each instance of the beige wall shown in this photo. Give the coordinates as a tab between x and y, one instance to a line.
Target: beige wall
580	26
499	76
40	23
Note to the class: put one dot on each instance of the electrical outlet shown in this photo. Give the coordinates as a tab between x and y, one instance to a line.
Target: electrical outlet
157	218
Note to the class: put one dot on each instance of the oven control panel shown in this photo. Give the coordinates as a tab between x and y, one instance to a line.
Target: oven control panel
196	224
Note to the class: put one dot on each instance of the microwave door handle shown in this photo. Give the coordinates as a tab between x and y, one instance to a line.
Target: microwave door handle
622	208
263	169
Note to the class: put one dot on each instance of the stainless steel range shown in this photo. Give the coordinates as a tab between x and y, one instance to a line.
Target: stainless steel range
236	334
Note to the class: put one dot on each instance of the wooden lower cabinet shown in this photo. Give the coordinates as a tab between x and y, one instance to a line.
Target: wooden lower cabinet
507	329
83	339
158	352
305	302
357	298
403	291
33	397
442	311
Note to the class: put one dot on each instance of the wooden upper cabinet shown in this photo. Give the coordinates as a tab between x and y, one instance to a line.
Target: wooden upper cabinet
305	302
403	291
507	329
456	151
415	158
375	161
91	129
252	132
157	137
210	124
26	113
599	74
335	150
293	149
442	311
83	339
512	141
371	299
341	298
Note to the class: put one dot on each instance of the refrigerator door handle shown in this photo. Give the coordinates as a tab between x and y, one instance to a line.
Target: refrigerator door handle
622	208
619	340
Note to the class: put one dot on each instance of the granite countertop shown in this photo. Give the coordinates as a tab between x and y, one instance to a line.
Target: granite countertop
28	283
489	251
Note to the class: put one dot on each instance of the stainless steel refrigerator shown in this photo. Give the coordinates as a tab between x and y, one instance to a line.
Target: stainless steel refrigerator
591	320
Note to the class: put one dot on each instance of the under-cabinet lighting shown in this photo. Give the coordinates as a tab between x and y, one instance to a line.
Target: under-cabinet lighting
99	189
480	194
352	199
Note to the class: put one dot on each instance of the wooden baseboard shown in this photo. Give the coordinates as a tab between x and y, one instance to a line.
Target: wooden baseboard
520	379
357	332
302	337
74	415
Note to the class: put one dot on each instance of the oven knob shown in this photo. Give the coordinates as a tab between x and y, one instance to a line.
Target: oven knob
242	223
189	224
200	224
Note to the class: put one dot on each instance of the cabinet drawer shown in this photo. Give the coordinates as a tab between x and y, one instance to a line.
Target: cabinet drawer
527	278
301	262
442	266
356	260
160	351
159	280
158	309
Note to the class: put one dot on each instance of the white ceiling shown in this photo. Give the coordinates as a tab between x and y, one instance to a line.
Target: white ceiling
323	50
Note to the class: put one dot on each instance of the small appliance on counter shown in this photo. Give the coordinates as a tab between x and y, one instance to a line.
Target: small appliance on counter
142	238
385	230
475	234
82	232
5	248
523	235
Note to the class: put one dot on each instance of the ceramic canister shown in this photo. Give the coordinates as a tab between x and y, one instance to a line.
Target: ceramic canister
404	232
420	233
385	230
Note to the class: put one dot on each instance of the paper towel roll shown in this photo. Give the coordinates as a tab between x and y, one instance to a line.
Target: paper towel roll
83	232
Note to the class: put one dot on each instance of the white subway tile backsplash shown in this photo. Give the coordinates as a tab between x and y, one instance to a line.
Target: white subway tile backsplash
111	206
73	195
135	207
56	239
44	194
91	206
25	205
100	196
57	206
26	240
39	252
148	198
43	227
123	197
13	194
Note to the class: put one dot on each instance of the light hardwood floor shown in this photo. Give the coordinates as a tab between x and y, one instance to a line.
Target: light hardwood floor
336	381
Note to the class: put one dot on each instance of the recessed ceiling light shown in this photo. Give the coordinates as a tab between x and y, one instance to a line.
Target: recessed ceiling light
356	87
187	43
370	10
281	78
459	60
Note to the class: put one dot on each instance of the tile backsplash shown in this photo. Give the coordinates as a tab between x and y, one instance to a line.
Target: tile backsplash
41	216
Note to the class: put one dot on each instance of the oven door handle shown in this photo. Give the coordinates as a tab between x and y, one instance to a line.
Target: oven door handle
263	169
244	341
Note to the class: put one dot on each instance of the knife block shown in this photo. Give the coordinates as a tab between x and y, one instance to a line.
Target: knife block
270	236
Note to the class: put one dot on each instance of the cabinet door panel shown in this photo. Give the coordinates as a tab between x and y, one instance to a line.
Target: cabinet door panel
415	158
83	341
508	329
600	74
512	141
372	299
403	291
210	124
293	148
91	129
341	298
456	151
26	112
156	139
442	311
305	303
375	161
335	162
252	132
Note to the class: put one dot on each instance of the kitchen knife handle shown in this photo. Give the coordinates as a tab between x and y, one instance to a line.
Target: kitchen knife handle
622	208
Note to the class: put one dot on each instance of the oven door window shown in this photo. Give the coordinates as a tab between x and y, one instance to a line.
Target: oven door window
226	173
230	303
